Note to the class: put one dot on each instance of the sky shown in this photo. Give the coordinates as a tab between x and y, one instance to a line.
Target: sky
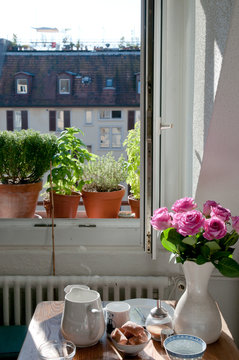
99	21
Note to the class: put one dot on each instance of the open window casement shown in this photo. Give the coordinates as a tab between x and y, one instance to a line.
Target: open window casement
166	107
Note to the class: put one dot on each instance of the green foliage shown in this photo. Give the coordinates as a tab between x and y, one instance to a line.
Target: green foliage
132	143
198	249
105	173
25	155
68	162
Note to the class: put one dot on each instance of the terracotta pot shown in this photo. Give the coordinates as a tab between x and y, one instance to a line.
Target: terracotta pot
102	204
65	206
134	205
19	201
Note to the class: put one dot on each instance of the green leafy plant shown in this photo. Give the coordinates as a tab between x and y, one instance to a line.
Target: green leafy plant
105	173
67	172
132	144
25	155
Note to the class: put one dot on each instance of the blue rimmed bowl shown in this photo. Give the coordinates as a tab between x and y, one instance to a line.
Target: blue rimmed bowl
183	346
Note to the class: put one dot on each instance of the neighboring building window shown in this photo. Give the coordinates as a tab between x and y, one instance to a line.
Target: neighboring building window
89	148
116	114
116	137
88	117
17	120
109	82
110	137
108	114
64	86
59	120
138	87
105	114
22	86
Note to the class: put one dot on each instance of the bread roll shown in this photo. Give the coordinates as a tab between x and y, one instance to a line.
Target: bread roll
133	328
119	337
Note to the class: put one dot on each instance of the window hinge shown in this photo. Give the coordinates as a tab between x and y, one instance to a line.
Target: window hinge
44	225
87	225
148	242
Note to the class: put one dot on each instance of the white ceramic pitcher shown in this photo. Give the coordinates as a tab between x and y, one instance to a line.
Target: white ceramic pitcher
82	319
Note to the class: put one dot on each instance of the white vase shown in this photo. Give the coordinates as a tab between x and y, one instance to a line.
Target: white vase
196	312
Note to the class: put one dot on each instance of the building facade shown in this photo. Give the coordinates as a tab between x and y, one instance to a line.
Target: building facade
96	91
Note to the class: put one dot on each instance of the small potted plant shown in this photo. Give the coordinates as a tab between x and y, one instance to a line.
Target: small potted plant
25	156
103	192
132	144
66	179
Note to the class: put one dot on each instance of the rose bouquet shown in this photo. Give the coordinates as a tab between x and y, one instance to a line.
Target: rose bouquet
206	236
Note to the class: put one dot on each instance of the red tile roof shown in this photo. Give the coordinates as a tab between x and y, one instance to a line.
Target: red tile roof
45	68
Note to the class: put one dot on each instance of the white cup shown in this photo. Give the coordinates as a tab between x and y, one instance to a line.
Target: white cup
117	313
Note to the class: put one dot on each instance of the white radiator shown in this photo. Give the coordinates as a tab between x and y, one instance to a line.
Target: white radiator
19	295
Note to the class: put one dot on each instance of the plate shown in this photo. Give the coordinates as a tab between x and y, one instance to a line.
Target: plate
144	306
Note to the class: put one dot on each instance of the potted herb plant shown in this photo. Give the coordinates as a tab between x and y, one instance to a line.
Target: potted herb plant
67	174
103	193
132	144
25	156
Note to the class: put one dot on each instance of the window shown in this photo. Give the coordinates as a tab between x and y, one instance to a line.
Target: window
111	137
116	114
138	87
109	83
17	120
64	86
59	120
88	117
108	114
22	86
105	114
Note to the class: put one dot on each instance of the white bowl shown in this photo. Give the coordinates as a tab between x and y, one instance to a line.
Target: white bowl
184	346
132	349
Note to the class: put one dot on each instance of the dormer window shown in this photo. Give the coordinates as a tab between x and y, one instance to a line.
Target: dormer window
22	86
64	86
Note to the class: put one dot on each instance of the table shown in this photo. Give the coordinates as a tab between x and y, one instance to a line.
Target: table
45	325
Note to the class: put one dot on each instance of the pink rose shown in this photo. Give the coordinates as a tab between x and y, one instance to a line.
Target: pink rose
184	204
220	212
235	223
188	223
215	228
207	207
161	219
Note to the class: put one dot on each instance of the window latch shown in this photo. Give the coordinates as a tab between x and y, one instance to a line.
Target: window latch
162	127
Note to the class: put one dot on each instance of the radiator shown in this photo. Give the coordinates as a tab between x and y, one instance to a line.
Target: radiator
19	295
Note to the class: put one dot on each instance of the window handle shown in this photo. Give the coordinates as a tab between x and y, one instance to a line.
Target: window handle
165	126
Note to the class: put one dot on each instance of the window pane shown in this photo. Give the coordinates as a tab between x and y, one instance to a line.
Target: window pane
64	86
116	137
116	114
109	83
18	120
105	114
59	120
22	86
88	117
104	137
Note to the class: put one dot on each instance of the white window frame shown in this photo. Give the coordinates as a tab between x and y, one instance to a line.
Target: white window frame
17	117
22	88
110	147
59	118
105	114
97	233
64	92
91	115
